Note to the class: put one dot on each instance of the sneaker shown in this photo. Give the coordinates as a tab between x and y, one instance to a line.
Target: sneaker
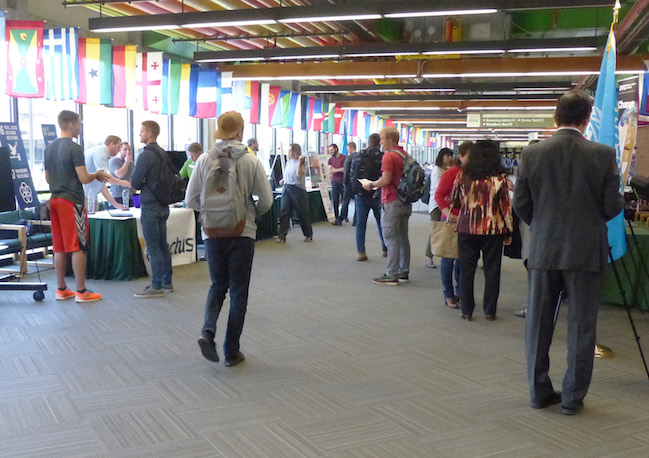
231	362
337	223
88	296
430	263
65	294
168	288
149	292
385	280
403	278
362	257
208	349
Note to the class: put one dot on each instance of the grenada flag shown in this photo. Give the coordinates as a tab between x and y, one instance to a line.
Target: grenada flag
25	70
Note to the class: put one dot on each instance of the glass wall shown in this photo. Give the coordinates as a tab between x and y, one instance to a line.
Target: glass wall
32	114
185	132
100	121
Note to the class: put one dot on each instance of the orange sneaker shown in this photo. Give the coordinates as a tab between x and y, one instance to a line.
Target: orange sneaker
65	294
88	296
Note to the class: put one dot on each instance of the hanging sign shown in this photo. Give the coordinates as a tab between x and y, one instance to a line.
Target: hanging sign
509	120
20	174
627	108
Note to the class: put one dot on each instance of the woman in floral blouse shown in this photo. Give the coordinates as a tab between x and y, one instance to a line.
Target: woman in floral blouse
481	192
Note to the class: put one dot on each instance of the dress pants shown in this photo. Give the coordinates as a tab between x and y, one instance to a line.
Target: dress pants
545	286
491	247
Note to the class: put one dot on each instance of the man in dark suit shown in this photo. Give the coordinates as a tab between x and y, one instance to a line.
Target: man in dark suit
567	189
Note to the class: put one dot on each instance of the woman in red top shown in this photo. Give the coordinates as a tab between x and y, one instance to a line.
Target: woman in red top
450	266
481	192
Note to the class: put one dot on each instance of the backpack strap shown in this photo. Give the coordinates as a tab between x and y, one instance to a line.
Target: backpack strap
400	154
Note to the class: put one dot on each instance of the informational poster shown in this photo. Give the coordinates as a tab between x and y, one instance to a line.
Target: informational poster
20	174
49	133
627	105
319	169
326	202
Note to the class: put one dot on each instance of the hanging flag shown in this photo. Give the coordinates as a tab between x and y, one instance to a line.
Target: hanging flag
297	123
171	74
264	104
339	119
352	124
94	71
305	106
60	59
204	98
274	106
368	123
239	98
188	85
25	69
223	93
124	84
149	80
289	107
252	104
603	129
315	123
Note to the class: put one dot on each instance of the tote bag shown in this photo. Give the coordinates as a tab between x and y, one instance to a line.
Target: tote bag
443	237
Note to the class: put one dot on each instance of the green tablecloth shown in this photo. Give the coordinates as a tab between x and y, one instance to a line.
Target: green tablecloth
114	252
634	278
267	223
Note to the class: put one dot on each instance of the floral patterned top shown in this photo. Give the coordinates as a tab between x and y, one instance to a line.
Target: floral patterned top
485	207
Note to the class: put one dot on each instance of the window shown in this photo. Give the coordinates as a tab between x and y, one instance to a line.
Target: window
299	137
284	139
312	139
32	114
185	132
99	122
139	116
265	139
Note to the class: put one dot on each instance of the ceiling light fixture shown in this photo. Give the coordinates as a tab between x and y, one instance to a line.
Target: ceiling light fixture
306	57
230	23
574	49
343	17
136	28
441	13
464	51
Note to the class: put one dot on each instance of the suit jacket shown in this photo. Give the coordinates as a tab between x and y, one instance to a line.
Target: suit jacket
567	189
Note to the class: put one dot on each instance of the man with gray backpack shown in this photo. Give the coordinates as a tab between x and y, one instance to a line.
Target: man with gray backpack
221	189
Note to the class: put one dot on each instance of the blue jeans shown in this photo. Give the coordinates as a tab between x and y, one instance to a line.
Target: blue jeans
363	206
450	267
154	228
230	263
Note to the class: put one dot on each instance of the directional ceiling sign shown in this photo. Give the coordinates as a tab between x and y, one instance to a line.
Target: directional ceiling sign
505	120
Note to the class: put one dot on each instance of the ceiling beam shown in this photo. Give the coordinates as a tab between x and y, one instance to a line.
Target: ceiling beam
437	85
374	50
441	97
433	106
433	68
358	10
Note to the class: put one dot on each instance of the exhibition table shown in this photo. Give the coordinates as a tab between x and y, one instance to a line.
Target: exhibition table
117	250
632	272
267	223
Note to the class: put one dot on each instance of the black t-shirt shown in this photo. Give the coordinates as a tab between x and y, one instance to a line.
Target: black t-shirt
61	158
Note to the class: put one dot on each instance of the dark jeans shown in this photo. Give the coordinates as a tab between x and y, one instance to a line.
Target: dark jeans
363	206
154	228
336	195
230	263
492	250
347	196
294	197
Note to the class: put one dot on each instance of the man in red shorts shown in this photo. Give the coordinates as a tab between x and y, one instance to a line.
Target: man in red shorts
65	171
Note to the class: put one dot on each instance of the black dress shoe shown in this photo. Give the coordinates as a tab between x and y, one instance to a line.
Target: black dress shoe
555	398
572	410
466	317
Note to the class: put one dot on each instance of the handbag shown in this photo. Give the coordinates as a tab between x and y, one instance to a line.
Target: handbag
443	238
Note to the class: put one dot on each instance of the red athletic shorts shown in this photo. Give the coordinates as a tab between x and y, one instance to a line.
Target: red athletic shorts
69	226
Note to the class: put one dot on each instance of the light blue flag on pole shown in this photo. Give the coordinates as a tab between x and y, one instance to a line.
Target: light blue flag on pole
603	128
60	48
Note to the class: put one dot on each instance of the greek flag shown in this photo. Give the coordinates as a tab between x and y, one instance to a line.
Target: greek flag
603	128
60	56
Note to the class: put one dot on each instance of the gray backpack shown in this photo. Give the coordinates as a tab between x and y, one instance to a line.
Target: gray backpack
223	206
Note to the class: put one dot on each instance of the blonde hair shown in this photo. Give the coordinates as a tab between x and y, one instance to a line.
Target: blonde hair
391	133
